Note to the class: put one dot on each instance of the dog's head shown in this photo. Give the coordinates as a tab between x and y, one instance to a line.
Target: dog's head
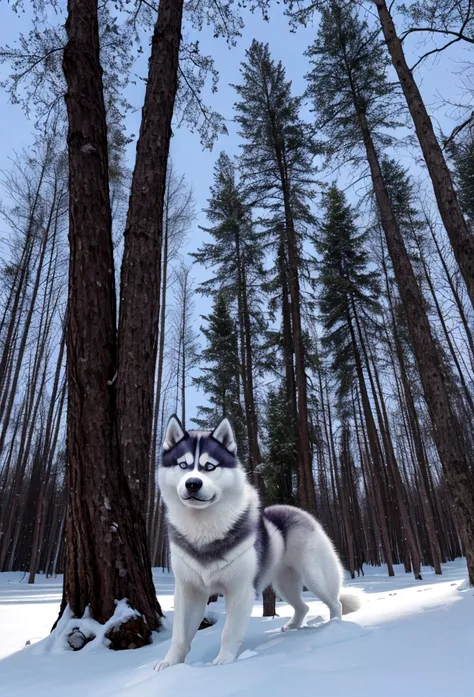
199	467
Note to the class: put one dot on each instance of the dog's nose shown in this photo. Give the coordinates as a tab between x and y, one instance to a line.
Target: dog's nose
193	484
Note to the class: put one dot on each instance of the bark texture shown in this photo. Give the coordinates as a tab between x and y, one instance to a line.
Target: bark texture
106	559
446	429
141	267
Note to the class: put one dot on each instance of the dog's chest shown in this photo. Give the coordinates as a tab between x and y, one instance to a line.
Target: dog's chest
215	573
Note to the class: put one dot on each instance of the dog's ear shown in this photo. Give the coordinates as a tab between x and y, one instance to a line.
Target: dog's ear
174	433
225	435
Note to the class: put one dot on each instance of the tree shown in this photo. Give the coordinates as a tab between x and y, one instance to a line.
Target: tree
178	214
348	84
184	345
106	513
278	470
236	258
460	236
220	374
102	506
461	150
349	296
277	167
453	20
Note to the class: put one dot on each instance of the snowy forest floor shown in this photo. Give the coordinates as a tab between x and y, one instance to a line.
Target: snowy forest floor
410	636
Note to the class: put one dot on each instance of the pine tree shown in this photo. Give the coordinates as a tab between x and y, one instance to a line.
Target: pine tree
349	86
349	289
220	374
236	258
349	296
278	470
277	167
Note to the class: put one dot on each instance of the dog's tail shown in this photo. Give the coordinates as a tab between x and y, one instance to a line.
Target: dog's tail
351	600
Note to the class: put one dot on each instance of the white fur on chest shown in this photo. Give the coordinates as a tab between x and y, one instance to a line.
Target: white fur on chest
238	565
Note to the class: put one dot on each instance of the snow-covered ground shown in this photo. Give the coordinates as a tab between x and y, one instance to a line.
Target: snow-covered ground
413	637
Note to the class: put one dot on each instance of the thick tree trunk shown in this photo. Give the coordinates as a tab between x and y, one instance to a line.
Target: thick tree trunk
446	431
141	267
106	559
461	238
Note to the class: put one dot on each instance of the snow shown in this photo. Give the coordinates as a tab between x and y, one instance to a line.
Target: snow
410	636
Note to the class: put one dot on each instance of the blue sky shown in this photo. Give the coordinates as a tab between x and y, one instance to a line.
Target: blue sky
437	77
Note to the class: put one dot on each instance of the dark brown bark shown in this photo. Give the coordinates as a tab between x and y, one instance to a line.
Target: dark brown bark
269	602
306	491
345	499
446	430
101	523
461	238
141	267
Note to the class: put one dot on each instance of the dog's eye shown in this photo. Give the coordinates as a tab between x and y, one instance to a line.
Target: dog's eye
209	467
183	465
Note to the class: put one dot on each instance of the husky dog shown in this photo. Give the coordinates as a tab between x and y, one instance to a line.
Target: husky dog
223	542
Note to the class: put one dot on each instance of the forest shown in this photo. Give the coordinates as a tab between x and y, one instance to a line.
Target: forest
332	318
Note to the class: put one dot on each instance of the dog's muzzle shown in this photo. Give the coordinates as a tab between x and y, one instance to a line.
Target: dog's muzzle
193	484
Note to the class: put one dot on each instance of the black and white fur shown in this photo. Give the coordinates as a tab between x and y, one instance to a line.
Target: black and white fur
222	542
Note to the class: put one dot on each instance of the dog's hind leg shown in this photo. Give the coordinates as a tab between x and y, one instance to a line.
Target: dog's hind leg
189	608
325	583
289	585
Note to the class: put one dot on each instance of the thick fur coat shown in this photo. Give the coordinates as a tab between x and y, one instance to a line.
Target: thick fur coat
223	542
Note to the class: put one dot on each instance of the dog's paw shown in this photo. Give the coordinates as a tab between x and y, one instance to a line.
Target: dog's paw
161	665
165	663
223	658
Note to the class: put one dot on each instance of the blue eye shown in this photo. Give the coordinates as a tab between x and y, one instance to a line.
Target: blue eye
183	465
208	467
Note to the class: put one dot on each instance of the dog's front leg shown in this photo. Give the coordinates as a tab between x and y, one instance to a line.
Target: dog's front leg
238	608
189	608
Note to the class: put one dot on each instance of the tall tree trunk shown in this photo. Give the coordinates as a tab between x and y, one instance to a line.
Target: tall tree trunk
307	491
446	431
287	340
141	267
246	350
415	431
394	470
101	523
374	448
461	238
153	505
